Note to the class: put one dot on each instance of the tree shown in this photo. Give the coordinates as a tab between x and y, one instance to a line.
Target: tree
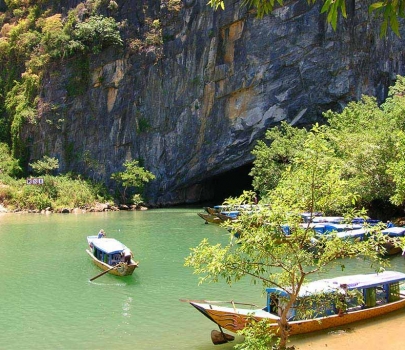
363	137
8	165
313	181
366	137
285	141
98	32
133	176
45	166
390	10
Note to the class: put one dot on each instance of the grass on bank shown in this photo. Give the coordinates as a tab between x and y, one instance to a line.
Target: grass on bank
56	193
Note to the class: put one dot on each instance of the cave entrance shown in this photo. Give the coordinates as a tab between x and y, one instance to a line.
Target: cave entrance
231	183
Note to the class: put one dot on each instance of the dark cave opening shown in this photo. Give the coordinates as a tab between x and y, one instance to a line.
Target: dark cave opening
231	183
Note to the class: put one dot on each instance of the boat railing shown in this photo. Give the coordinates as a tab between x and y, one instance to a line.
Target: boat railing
232	302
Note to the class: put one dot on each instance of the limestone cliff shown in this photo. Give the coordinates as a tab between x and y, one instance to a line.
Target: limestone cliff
194	107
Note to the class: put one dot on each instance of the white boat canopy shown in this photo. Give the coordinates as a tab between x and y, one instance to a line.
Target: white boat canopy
107	245
352	282
338	284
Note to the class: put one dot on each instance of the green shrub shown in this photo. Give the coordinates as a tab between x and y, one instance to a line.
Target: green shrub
5	193
8	164
46	165
137	199
73	193
56	192
76	192
98	32
33	197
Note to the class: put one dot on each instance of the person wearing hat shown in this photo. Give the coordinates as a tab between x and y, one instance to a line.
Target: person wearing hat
101	234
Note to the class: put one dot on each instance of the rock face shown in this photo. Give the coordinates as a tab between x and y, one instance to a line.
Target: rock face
195	108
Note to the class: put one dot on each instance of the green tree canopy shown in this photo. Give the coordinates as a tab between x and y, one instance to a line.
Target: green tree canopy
45	166
313	181
366	138
133	176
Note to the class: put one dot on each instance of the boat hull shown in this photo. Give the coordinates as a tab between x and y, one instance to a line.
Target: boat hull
123	270
391	248
213	219
233	320
211	211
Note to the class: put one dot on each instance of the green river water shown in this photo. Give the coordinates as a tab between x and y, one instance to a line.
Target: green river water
48	302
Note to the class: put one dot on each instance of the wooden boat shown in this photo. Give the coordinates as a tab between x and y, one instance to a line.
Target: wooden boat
217	214
110	254
221	213
326	224
228	215
209	218
390	246
212	211
381	293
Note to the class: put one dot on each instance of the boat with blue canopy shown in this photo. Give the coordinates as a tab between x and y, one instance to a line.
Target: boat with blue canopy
381	293
394	231
358	234
391	247
111	255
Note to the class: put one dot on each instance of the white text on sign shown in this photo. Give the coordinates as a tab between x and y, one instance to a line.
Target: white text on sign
35	181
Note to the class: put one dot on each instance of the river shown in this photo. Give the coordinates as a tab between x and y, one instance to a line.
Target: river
48	302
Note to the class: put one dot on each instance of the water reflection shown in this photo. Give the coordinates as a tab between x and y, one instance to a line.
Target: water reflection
126	307
48	302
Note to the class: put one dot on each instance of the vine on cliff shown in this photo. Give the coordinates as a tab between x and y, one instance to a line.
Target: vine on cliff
31	37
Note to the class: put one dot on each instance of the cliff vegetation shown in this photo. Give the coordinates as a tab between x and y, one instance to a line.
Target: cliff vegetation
182	89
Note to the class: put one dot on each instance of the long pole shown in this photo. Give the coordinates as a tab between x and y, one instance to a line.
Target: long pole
104	272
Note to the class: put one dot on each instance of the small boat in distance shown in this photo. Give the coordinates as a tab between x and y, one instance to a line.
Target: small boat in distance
111	255
212	218
381	294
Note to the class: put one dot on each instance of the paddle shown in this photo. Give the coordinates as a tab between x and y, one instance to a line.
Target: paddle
104	272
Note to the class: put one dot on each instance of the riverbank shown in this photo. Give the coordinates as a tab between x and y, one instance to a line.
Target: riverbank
97	208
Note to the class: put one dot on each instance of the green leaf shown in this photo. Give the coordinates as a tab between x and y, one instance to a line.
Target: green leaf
395	25
343	8
375	6
384	26
325	6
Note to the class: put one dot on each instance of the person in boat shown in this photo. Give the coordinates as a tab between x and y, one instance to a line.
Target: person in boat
390	224
101	234
126	256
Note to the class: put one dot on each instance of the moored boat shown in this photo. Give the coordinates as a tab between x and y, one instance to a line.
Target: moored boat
210	218
111	255
214	217
222	213
391	247
228	215
381	294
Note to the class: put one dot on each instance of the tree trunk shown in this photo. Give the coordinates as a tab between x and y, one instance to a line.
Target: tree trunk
284	333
